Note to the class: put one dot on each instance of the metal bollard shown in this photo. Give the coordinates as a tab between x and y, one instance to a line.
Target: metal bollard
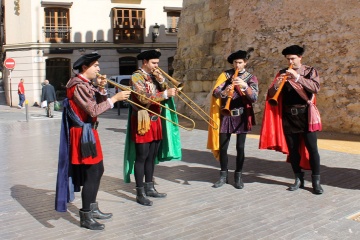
118	107
27	110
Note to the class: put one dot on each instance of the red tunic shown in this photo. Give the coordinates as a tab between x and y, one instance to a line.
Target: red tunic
155	132
87	103
146	86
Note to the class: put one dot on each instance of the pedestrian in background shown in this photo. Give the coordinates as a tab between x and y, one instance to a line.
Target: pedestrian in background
21	92
48	95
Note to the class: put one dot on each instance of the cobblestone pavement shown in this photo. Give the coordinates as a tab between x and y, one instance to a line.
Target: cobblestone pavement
264	209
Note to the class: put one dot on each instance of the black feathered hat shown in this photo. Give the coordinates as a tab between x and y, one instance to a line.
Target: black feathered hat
245	55
150	54
85	60
293	50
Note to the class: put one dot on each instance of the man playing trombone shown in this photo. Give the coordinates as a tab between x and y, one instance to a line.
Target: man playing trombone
231	105
291	118
145	128
80	152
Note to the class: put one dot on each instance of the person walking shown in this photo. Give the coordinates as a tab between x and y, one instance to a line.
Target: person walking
21	93
48	94
234	93
151	139
80	153
291	118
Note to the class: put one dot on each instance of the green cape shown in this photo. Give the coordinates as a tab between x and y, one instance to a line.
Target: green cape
170	145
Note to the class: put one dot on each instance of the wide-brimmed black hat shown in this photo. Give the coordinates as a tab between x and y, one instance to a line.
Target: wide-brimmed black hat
293	50
150	54
86	60
241	54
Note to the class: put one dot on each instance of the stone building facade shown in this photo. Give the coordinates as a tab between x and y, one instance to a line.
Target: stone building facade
46	37
209	30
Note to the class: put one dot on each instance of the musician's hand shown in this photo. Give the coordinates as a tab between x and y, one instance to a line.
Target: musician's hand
158	76
101	81
279	80
238	81
227	90
120	96
292	73
171	92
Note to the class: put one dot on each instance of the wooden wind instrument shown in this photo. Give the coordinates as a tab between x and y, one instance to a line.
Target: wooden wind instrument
274	100
226	110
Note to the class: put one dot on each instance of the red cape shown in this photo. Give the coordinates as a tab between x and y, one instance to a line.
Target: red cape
272	134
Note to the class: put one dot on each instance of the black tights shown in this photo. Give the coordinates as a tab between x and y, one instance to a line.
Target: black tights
293	142
240	149
92	176
145	162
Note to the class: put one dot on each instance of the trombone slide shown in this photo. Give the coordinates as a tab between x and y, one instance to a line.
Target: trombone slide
125	88
179	86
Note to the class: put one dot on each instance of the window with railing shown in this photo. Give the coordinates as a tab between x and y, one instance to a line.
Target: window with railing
57	25
173	17
128	25
172	21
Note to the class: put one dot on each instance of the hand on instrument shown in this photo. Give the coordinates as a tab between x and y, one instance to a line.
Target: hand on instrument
171	92
120	96
101	81
158	76
279	80
292	74
227	90
238	81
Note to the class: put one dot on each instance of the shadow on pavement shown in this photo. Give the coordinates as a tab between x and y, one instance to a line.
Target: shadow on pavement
40	204
254	170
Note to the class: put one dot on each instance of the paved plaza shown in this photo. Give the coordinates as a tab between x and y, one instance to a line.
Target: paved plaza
264	209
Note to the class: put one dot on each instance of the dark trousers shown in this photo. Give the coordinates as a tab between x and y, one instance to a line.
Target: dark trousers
293	143
91	182
240	149
145	162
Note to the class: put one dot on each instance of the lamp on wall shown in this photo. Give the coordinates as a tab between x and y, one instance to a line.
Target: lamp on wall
155	32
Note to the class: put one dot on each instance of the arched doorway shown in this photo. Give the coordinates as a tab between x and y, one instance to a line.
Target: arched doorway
58	73
127	65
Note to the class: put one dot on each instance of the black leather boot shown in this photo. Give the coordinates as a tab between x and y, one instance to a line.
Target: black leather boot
150	191
96	213
141	197
87	221
317	189
238	181
299	182
223	179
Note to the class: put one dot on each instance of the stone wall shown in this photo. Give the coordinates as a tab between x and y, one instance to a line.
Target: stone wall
211	29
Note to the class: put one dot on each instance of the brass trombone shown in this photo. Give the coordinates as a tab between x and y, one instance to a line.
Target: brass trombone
125	88
179	86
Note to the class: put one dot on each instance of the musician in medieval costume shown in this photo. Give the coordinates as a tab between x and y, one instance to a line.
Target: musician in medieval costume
80	154
235	91
149	138
290	125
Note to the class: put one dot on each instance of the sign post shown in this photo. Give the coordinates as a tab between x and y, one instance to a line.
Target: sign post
9	64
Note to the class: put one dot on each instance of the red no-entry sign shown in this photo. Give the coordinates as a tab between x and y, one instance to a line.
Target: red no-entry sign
9	63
